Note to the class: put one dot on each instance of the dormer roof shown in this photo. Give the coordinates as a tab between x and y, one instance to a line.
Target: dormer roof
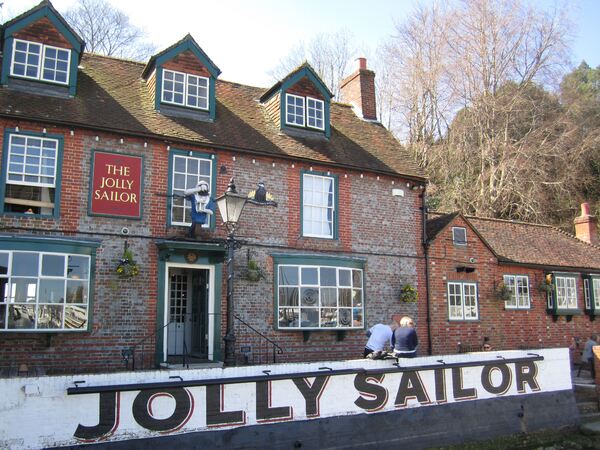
303	70
187	43
44	9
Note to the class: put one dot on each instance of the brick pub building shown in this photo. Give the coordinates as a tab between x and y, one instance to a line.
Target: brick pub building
98	269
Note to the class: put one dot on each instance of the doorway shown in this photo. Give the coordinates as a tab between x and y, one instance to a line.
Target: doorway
187	315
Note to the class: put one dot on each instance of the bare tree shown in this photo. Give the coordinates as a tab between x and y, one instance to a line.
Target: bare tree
329	54
107	30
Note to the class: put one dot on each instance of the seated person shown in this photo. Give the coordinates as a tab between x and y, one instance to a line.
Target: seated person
380	336
405	339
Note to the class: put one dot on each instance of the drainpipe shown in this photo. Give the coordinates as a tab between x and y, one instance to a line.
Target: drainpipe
426	251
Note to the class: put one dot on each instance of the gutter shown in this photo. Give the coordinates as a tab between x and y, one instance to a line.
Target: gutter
426	254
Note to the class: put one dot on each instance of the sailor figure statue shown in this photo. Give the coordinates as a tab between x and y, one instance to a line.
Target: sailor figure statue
203	207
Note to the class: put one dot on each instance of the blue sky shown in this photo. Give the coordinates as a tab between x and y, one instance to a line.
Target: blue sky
246	38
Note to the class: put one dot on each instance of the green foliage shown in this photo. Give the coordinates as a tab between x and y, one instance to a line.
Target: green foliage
408	294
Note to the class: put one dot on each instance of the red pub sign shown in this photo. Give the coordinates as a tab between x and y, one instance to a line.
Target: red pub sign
116	185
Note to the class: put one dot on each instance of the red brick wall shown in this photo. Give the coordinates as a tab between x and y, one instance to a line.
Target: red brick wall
43	31
374	226
305	87
188	63
505	328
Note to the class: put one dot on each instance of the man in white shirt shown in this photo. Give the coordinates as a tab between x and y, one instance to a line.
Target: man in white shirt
380	336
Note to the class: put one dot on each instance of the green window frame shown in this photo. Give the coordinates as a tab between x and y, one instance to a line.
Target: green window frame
46	286
31	173
591	291
186	168
317	293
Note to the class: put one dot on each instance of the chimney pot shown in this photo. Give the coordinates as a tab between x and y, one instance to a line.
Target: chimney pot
362	63
586	226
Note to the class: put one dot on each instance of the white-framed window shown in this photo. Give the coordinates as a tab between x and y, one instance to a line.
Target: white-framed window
317	297
40	62
31	174
518	285
315	110
187	171
462	301
294	110
459	235
184	89
318	205
44	291
566	292
591	288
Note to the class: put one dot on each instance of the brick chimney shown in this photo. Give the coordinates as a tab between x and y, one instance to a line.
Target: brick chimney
586	226
359	90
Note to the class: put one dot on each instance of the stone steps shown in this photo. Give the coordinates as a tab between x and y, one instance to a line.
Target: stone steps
588	403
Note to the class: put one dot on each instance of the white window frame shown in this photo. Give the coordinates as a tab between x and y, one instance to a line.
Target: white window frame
455	241
7	297
191	181
460	311
316	211
295	113
311	113
566	292
592	286
41	63
357	298
186	88
519	292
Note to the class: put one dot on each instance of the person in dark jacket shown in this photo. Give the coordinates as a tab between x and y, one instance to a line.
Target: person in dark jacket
405	339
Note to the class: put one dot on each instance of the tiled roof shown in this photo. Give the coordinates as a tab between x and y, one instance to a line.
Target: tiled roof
437	223
528	243
111	95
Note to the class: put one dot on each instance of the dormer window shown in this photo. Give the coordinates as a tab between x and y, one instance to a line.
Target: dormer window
184	89
40	62
304	110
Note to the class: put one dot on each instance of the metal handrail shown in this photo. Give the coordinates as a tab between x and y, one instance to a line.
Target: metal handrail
277	350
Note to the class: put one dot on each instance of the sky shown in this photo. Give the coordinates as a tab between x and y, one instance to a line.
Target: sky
247	38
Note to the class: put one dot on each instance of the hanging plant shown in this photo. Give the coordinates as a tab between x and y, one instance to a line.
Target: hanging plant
503	292
408	294
253	271
127	267
546	284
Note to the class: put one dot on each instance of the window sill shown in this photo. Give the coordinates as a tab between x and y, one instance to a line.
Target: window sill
516	308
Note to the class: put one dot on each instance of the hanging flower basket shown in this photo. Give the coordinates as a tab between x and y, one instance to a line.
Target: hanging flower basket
546	285
253	271
127	267
503	292
408	294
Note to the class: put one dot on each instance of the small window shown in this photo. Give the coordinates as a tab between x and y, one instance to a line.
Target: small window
185	89
187	171
31	174
459	235
462	301
319	297
314	114
566	292
40	62
591	290
518	285
318	206
294	110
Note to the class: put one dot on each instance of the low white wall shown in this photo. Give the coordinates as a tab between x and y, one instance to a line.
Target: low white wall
37	412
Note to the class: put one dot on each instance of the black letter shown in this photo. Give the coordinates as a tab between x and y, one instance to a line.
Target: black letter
377	394
411	386
461	393
440	385
311	393
215	416
264	411
526	377
108	422
142	409
486	378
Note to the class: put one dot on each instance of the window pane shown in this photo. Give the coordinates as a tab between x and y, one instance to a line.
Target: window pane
345	297
53	265
288	275
21	317
345	317
288	296
328	276
288	317
78	267
75	317
3	263
52	291
25	264
328	297
50	316
309	317
345	277
77	291
310	297
357	278
328	317
23	290
310	275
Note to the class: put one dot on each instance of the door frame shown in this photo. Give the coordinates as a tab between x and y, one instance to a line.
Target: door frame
210	309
